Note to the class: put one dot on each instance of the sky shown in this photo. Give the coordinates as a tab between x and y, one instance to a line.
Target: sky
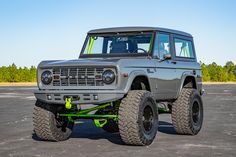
36	30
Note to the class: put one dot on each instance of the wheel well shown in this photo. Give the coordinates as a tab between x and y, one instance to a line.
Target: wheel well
140	83
190	82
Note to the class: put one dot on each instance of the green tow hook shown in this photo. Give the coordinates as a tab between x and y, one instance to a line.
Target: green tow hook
68	104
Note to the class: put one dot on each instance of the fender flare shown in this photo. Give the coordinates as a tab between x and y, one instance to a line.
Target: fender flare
132	76
183	77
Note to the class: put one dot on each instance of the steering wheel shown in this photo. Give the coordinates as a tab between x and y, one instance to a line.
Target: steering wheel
140	49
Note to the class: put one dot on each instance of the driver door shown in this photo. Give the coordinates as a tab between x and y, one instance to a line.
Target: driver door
166	72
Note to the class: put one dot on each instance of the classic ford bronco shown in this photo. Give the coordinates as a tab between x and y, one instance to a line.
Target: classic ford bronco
118	81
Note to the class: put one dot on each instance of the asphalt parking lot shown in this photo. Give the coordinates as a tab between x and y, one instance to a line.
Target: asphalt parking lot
217	137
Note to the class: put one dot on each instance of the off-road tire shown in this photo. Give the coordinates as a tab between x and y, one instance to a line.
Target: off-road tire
131	118
46	124
185	118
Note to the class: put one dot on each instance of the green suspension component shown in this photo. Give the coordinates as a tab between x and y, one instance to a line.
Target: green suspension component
162	108
99	120
79	115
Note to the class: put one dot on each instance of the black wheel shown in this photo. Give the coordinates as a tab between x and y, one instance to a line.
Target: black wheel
111	126
47	125
138	118
187	112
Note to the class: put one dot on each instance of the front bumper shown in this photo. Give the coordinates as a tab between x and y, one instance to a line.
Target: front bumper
78	96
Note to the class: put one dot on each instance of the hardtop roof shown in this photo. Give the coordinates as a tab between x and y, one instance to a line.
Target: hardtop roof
137	29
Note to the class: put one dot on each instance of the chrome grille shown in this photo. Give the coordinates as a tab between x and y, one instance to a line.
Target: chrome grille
81	76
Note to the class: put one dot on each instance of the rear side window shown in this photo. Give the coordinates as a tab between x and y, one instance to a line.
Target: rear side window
183	48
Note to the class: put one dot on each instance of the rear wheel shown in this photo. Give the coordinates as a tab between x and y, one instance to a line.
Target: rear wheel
47	125
138	118
187	112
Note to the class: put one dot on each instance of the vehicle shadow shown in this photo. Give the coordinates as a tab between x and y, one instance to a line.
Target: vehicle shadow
86	129
166	127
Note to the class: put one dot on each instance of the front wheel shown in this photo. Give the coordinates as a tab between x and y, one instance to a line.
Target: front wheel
138	118
187	112
48	126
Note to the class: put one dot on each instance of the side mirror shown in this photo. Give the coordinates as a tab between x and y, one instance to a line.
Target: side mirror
167	56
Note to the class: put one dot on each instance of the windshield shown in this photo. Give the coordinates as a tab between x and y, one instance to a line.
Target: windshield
110	44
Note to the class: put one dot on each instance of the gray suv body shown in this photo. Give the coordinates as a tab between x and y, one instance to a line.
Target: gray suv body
115	61
165	77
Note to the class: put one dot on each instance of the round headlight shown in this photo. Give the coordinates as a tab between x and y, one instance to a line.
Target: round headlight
108	76
46	77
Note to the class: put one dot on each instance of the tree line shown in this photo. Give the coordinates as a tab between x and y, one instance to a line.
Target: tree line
211	72
12	73
217	73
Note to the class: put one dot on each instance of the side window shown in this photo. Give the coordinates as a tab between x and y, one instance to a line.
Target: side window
183	48
162	45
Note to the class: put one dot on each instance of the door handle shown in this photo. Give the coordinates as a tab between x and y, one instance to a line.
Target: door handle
174	62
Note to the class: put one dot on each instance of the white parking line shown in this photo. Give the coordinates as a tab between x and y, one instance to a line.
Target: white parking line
31	97
17	95
9	96
220	93
8	93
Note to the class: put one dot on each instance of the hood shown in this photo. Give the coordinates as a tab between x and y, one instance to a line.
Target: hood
79	62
